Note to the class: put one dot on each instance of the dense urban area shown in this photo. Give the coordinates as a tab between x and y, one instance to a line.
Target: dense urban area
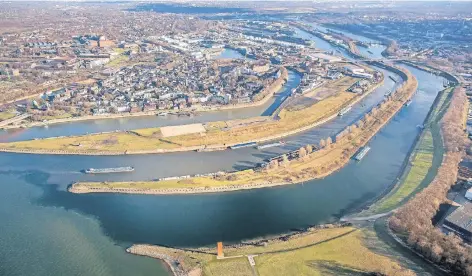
311	95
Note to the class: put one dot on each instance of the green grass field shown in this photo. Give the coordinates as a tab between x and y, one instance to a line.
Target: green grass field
420	165
331	251
425	160
58	116
346	255
236	266
6	115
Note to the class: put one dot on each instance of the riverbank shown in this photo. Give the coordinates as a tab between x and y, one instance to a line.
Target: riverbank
218	135
291	254
421	210
406	185
268	93
317	164
422	163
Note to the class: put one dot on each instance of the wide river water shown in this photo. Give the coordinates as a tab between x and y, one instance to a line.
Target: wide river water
47	231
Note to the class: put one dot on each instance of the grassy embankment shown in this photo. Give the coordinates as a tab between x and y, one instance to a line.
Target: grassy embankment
424	160
64	115
217	132
318	252
315	165
5	115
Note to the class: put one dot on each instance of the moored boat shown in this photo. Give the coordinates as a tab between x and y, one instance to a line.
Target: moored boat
280	143
109	170
362	153
344	111
243	145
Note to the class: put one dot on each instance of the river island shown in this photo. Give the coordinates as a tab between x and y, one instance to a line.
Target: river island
309	162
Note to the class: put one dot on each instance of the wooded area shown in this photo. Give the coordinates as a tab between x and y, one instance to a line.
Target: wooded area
414	219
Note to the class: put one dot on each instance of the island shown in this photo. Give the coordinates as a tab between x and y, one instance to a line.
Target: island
309	162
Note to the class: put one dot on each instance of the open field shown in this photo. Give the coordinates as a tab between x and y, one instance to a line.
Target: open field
6	115
424	161
290	122
120	60
327	251
58	116
318	164
170	131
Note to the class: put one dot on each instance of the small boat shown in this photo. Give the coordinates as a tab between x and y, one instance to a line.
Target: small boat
392	78
408	103
163	114
370	52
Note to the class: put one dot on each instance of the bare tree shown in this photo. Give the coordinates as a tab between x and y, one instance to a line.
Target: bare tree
309	148
285	160
329	141
322	143
302	152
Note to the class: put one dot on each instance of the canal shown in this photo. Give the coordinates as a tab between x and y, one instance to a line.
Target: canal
52	232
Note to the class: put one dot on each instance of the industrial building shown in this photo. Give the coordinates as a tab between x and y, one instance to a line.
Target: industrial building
460	221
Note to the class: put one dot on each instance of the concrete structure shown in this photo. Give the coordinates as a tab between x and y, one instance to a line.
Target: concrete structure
352	69
219	247
460	221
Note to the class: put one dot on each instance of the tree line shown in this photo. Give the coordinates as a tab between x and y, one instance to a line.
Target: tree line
414	219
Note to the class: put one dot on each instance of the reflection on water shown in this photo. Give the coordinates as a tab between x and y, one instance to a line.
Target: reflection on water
194	220
48	231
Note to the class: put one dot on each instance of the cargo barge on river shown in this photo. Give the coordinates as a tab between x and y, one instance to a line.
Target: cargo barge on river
362	153
280	143
344	111
109	170
243	145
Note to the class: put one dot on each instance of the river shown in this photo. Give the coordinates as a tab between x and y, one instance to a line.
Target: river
47	231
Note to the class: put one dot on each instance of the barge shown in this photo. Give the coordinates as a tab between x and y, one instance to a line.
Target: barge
280	143
243	145
109	170
362	153
344	111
